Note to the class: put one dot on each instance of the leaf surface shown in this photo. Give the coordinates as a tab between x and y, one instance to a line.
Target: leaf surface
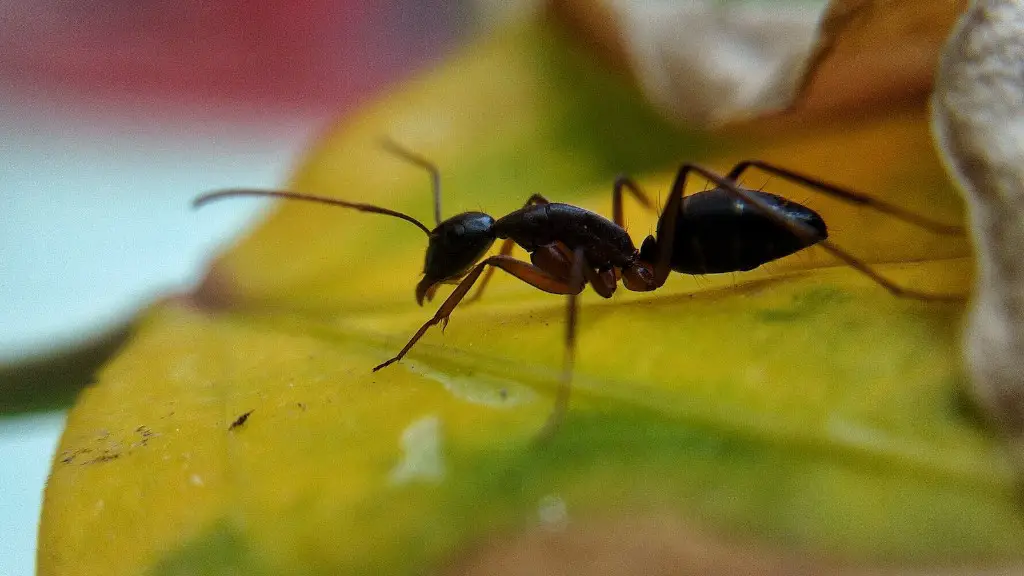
800	404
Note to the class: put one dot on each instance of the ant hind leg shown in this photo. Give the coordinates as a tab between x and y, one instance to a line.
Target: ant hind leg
884	282
847	195
810	236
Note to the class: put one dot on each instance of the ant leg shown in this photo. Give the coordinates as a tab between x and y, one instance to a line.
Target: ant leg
557	259
414	158
889	285
603	282
667	225
576	282
799	229
532	275
623	181
506	249
847	196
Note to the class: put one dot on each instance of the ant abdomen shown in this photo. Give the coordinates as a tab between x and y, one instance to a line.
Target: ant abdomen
717	232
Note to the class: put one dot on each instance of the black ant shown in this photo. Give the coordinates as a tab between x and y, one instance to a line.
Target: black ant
725	229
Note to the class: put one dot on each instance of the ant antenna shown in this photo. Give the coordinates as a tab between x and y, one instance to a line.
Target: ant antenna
410	156
235	192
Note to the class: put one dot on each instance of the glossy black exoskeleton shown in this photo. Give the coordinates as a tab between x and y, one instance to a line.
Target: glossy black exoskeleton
718	232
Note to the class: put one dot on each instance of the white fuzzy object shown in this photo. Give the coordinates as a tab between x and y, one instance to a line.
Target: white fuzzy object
705	62
978	121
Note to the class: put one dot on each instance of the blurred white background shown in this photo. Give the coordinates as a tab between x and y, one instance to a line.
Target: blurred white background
95	223
114	116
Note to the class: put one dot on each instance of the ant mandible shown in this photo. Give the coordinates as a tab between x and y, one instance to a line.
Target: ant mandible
725	229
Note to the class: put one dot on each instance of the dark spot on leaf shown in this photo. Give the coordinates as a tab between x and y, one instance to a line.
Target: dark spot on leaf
240	420
107	446
105	457
68	456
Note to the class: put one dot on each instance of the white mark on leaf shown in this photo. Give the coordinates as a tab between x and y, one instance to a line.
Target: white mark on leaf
553	513
421	453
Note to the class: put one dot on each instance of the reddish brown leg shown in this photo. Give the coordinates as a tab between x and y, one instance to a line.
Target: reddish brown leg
524	271
602	281
671	212
506	249
627	183
576	284
558	260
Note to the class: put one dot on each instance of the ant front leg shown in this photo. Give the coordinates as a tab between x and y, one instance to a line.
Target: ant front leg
506	250
532	275
846	195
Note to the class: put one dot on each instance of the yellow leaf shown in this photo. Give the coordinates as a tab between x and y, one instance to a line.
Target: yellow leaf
802	404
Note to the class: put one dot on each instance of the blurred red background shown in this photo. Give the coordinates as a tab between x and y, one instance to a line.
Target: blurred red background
243	55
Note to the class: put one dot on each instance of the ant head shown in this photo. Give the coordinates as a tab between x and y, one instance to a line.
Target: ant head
639	275
455	245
